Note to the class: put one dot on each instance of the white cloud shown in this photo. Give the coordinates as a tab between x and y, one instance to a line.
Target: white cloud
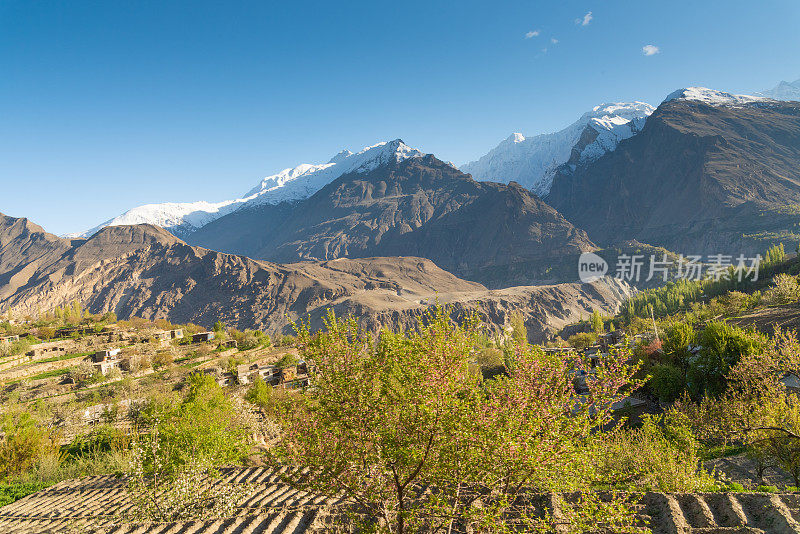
554	40
587	18
533	33
650	50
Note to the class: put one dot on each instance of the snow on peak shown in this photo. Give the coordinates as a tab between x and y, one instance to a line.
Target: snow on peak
713	97
532	161
783	91
292	184
305	180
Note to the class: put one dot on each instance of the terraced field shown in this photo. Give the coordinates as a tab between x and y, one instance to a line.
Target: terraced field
98	504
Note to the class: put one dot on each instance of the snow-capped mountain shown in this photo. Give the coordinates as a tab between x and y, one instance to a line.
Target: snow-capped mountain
532	161
783	91
713	97
288	185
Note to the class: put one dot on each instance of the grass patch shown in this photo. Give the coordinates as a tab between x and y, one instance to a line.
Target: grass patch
719	451
49	374
64	357
13	491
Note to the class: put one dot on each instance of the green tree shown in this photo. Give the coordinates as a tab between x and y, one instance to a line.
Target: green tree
596	322
387	418
519	332
205	426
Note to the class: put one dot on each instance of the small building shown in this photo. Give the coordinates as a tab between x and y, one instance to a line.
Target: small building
9	339
288	373
105	355
176	333
106	360
229	344
200	337
161	335
46	350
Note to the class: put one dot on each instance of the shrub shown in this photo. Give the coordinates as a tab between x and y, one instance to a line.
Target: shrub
162	358
205	426
784	290
104	438
582	340
667	382
23	443
260	394
721	347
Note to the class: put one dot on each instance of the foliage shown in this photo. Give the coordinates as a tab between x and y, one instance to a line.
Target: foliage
662	455
721	347
582	340
164	492
260	393
784	290
667	382
13	491
596	322
775	255
519	332
205	426
386	418
23	442
104	438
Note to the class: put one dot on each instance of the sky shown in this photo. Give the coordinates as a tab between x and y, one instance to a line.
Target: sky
106	105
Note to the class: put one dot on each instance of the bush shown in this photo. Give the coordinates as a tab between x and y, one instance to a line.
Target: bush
784	290
13	491
104	438
667	382
24	442
721	347
660	456
582	340
260	394
162	358
205	427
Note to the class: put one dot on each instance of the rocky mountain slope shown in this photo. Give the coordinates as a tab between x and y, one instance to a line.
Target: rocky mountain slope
493	233
147	272
709	173
182	218
533	161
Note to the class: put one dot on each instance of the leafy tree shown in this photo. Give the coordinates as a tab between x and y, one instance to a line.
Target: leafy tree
205	426
596	322
721	347
23	442
667	382
388	418
582	340
519	332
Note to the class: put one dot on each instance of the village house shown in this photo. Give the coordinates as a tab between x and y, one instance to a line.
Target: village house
246	373
42	350
229	344
167	335
200	337
106	360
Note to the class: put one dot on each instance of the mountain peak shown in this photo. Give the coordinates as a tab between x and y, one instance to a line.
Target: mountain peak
713	97
288	185
532	161
783	91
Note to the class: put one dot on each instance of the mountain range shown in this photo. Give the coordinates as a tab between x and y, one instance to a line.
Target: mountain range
384	232
144	271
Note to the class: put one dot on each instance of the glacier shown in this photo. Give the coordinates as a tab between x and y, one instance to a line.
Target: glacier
533	161
297	183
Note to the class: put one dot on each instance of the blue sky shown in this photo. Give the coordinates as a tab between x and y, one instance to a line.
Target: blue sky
106	105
